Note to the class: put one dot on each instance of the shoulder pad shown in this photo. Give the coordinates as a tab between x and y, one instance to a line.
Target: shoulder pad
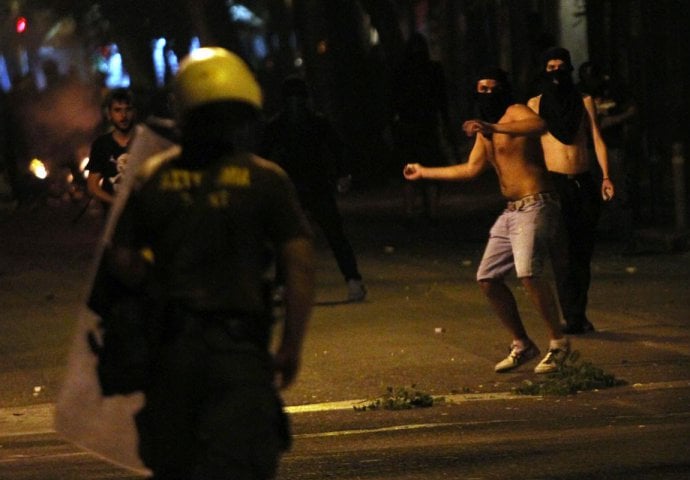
152	164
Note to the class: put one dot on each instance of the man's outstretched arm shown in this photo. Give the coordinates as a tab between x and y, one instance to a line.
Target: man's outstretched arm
476	164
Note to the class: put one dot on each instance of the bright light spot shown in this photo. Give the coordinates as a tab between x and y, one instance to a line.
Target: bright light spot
202	54
82	166
194	44
21	25
298	62
117	77
373	36
5	81
159	60
173	62
38	168
240	13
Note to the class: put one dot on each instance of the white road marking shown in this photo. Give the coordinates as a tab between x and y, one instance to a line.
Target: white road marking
38	419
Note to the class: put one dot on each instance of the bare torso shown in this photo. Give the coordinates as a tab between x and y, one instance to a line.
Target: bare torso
517	160
562	158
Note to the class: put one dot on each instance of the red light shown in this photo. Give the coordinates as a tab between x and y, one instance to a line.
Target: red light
21	25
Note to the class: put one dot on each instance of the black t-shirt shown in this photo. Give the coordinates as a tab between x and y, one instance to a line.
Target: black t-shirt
108	159
214	230
308	149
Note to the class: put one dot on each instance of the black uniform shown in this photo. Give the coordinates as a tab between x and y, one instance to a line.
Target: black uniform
212	228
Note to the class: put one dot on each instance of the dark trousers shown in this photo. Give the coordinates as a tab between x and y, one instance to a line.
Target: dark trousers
580	206
323	210
211	412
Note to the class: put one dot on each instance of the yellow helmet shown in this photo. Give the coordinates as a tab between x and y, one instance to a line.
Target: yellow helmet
213	74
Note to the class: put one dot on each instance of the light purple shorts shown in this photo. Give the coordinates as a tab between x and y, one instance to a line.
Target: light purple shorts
521	239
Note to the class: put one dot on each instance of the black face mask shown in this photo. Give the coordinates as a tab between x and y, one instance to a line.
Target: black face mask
561	106
492	106
563	77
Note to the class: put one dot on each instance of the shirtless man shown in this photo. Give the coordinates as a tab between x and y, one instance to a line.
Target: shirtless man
569	115
506	137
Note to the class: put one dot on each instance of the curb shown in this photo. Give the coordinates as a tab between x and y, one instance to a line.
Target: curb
38	419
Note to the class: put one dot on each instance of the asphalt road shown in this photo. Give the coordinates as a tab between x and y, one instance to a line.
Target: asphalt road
425	324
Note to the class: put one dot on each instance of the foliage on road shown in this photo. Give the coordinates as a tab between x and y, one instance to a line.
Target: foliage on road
400	398
571	377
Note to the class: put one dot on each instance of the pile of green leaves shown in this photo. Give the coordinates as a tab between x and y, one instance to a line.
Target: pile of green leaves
398	399
571	377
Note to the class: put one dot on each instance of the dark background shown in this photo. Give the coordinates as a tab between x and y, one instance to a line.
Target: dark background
640	43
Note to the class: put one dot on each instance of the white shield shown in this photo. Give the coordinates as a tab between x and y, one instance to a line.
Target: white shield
104	425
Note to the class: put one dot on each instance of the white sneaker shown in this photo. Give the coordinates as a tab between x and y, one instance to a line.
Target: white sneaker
552	360
356	291
517	357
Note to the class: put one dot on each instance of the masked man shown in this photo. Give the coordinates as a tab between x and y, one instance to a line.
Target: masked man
569	116
506	137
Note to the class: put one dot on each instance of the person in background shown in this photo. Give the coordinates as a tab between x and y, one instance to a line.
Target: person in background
421	123
108	155
305	144
570	116
617	113
526	233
